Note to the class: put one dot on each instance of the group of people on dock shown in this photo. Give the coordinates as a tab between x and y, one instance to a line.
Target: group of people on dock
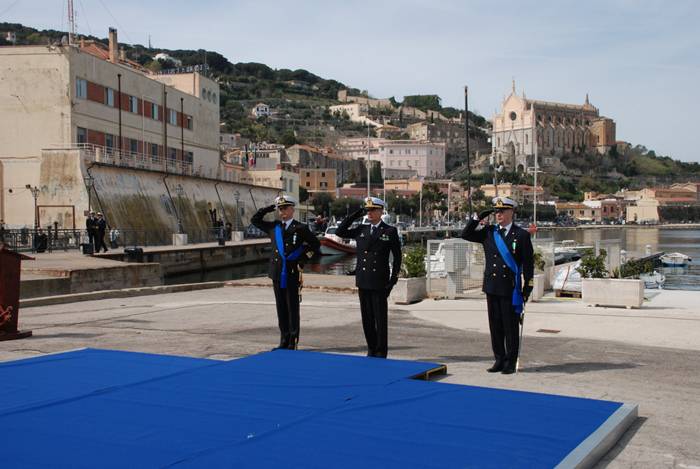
508	272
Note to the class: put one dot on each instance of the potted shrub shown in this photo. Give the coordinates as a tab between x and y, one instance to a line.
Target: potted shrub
598	289
411	286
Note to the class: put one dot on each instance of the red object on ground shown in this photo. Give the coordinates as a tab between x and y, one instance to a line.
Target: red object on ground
10	262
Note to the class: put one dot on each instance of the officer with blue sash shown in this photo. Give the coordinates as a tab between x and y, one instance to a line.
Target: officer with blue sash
292	244
508	276
378	249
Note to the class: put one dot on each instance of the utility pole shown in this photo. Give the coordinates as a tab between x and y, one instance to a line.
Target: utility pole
466	134
369	163
534	193
35	193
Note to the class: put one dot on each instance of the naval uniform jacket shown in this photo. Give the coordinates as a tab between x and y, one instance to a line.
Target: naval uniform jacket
296	235
372	271
498	278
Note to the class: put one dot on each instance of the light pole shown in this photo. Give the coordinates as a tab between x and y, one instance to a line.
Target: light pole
35	193
89	184
179	191
237	196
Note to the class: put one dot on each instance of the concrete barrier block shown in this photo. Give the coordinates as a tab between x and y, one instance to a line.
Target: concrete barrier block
612	292
409	290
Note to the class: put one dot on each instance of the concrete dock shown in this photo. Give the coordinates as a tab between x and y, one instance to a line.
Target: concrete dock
647	356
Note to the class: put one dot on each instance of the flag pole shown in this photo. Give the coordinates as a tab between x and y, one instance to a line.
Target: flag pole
466	134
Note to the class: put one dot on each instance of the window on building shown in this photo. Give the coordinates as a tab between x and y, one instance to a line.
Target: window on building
188	122
189	156
109	140
204	93
80	88
133	145
154	111
109	97
324	184
308	184
172	116
133	104
172	153
82	135
308	174
323	174
154	151
526	141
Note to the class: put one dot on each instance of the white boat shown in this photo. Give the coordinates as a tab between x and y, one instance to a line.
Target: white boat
333	244
653	280
675	259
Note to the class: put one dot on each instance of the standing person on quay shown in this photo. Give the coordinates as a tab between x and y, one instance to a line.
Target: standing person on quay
375	241
292	244
91	228
508	256
101	228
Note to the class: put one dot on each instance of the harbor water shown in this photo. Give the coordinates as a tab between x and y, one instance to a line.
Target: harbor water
634	240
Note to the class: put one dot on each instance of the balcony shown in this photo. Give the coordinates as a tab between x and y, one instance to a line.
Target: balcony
125	159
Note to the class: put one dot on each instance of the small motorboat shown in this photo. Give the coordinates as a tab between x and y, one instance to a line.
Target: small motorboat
653	280
333	244
675	259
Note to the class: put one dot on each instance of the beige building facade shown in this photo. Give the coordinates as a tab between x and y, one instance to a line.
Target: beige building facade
66	96
318	179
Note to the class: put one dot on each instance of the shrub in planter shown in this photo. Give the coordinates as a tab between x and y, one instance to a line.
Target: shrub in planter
411	286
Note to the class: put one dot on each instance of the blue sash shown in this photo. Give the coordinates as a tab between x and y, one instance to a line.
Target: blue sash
291	257
512	265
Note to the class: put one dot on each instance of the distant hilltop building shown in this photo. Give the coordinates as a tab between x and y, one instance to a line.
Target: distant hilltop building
166	58
260	110
562	129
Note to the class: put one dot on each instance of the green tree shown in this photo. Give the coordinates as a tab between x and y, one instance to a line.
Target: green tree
322	203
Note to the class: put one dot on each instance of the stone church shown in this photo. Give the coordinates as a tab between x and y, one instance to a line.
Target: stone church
562	129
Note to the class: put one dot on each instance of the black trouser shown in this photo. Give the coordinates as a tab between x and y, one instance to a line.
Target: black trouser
100	241
504	324
373	305
91	239
287	300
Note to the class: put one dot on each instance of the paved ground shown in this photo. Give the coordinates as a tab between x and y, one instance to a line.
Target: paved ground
598	353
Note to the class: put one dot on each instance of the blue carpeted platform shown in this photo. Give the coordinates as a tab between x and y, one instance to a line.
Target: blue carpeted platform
96	408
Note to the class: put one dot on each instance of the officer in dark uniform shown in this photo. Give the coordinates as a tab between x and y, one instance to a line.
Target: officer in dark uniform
375	241
292	245
503	297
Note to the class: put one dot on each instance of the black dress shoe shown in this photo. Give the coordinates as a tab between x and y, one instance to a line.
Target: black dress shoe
508	369
498	366
293	343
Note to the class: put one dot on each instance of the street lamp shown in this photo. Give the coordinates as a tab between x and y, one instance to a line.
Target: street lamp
89	184
237	196
179	191
35	193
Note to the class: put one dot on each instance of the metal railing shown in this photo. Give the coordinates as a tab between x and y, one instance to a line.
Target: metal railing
127	159
40	240
49	240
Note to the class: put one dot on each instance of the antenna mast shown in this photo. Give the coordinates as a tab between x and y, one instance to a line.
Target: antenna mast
71	23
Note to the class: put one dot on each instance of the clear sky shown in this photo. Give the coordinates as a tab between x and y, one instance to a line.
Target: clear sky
638	60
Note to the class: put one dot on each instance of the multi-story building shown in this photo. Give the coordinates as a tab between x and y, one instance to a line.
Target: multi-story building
64	95
406	157
560	129
521	193
318	179
425	158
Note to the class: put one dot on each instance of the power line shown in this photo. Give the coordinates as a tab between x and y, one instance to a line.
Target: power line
117	22
82	7
9	7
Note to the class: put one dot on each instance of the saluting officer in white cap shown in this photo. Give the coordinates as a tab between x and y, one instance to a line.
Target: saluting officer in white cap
374	279
292	244
506	289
